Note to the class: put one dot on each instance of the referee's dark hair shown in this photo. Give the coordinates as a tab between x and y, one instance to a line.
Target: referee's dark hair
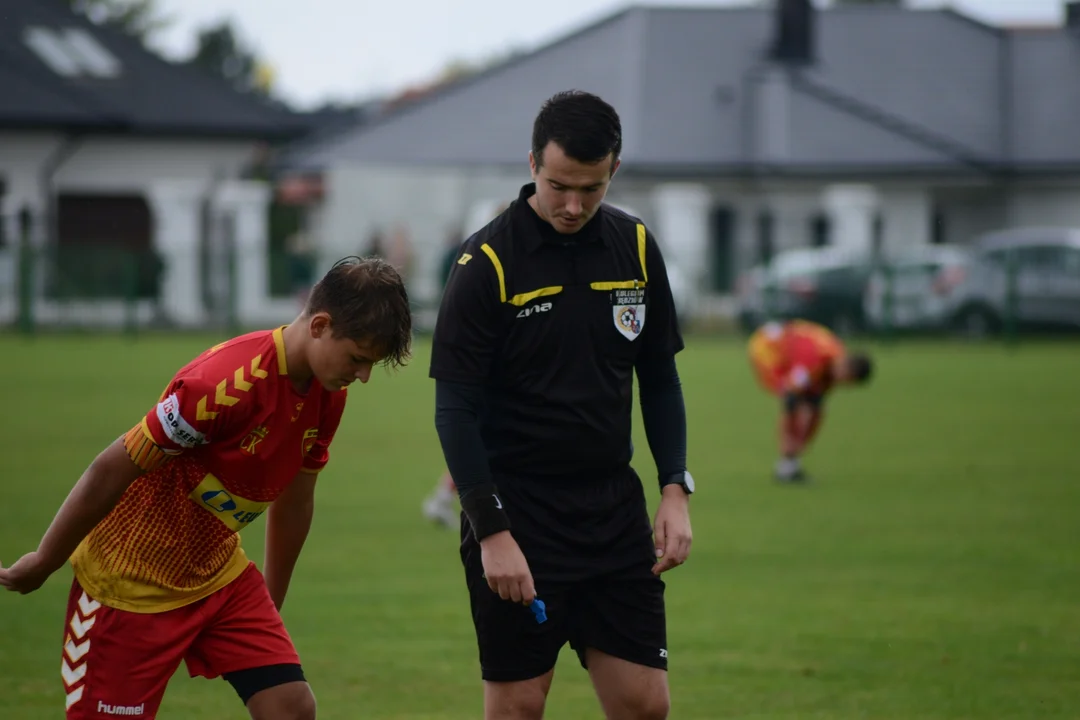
584	126
860	367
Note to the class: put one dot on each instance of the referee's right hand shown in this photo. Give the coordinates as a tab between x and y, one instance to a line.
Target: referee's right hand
505	568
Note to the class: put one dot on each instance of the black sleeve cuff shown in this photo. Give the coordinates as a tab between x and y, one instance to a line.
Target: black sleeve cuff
485	511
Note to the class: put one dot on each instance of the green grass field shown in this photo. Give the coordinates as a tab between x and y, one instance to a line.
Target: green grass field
932	571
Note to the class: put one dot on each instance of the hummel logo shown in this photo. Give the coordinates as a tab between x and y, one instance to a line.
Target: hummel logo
121	709
541	308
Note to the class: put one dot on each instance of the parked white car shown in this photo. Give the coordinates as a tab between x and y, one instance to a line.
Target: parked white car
912	290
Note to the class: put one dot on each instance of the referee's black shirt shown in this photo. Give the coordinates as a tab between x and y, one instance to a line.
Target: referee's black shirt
551	327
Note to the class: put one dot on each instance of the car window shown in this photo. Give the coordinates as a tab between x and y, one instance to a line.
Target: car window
1041	256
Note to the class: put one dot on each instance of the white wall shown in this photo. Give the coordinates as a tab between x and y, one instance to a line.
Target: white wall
99	165
428	202
112	164
906	213
1055	205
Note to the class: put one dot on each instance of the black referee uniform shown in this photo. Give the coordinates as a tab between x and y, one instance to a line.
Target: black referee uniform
535	348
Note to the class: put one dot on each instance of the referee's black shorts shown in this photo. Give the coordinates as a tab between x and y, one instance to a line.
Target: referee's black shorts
590	550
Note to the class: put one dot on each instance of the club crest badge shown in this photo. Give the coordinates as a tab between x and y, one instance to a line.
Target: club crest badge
628	311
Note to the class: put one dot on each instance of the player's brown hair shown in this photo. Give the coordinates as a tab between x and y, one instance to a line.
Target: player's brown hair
367	301
860	366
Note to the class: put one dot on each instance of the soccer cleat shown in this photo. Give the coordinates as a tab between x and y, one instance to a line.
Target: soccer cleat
789	471
794	478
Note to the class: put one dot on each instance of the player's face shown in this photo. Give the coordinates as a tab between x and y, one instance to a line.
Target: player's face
337	362
568	192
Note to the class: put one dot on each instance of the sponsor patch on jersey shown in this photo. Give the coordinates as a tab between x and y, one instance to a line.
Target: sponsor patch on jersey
236	512
176	428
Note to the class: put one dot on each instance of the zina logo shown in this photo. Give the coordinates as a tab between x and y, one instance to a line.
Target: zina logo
541	308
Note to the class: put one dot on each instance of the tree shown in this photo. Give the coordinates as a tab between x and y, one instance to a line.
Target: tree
221	52
139	18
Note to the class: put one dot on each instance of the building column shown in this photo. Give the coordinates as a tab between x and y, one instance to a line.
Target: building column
852	209
906	215
247	203
682	229
177	213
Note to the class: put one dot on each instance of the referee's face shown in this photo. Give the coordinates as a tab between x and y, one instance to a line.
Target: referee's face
568	192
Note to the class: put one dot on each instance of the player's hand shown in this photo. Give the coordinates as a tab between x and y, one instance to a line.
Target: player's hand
505	568
26	575
671	530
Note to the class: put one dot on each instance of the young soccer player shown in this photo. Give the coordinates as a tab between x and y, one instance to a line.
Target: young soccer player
151	528
800	362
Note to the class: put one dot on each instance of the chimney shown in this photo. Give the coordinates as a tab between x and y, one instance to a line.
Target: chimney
793	43
1072	15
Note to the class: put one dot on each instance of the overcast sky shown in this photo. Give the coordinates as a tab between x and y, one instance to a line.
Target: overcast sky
349	49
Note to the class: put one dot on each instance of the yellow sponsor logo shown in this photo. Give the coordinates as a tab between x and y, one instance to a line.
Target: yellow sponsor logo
310	436
236	512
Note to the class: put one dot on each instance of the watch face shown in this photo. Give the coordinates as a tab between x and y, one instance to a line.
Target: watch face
689	481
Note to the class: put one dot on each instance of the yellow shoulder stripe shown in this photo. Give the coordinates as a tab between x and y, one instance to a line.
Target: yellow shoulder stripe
498	270
641	251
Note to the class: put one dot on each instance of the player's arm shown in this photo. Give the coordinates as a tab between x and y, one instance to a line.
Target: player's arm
92	498
163	433
663	412
663	409
287	524
288	520
467	333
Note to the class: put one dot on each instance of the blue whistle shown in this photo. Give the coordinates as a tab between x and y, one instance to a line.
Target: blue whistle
538	608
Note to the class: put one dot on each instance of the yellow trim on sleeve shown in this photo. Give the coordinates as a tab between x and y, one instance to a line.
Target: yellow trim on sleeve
641	250
498	270
146	431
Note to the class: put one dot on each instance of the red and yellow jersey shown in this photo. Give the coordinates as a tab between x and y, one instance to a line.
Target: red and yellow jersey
227	436
795	356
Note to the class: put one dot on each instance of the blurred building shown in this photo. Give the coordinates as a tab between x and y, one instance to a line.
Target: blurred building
747	131
119	168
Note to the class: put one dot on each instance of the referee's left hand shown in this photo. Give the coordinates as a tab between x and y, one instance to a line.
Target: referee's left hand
671	530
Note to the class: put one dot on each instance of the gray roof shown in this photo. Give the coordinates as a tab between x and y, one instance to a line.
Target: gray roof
45	84
891	91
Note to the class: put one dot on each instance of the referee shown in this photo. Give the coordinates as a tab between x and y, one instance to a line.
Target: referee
547	314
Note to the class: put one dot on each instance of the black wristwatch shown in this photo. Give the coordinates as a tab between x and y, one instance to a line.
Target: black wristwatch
683	479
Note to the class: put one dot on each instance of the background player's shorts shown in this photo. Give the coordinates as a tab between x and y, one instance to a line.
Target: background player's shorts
598	589
118	663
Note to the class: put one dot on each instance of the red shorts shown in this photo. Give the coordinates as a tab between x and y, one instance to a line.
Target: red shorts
118	663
